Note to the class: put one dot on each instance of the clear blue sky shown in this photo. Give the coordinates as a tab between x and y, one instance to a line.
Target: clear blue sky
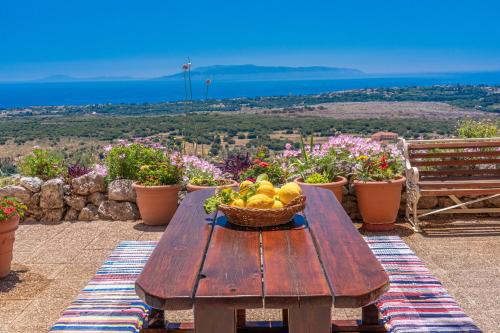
146	38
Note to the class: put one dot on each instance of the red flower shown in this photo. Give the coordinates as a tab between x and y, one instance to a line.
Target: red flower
263	164
383	162
9	210
253	180
257	161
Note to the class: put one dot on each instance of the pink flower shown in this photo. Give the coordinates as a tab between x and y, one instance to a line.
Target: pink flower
101	170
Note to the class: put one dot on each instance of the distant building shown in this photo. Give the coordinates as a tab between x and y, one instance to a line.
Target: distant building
385	136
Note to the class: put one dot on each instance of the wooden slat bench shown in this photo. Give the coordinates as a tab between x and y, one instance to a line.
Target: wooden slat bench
415	301
453	168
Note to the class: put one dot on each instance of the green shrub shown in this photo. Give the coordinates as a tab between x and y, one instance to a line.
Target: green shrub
42	164
124	162
471	128
316	178
160	173
7	167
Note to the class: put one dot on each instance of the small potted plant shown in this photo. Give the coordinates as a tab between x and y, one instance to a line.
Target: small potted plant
378	184
263	163
11	210
201	174
320	166
157	189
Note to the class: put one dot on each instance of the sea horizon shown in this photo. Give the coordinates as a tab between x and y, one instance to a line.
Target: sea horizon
26	94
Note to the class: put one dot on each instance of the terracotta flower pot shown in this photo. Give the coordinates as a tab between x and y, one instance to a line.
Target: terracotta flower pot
7	235
336	187
225	183
157	204
378	203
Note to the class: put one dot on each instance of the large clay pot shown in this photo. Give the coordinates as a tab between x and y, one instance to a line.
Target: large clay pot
336	187
378	203
7	235
157	204
225	183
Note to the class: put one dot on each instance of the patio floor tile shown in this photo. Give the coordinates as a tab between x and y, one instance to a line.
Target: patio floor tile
52	262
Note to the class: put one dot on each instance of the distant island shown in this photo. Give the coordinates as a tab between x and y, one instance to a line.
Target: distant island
258	73
232	73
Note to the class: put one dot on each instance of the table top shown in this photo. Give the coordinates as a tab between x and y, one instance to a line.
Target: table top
320	259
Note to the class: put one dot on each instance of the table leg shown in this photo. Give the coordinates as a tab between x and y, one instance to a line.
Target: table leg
241	318
213	319
309	319
369	315
284	314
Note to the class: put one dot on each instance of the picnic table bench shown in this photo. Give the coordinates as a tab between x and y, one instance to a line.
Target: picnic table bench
318	261
453	168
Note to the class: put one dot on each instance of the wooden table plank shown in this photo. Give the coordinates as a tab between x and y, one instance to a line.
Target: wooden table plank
293	276
355	276
169	278
231	274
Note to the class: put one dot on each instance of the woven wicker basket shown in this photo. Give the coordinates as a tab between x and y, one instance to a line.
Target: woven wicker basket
254	217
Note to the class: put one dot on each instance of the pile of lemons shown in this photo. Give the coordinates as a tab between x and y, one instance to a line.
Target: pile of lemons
262	194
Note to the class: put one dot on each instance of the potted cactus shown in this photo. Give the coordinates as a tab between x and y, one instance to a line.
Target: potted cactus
11	210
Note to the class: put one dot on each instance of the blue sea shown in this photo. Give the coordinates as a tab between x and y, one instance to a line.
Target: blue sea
151	91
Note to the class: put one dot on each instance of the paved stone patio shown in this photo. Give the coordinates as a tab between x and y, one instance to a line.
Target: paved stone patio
53	262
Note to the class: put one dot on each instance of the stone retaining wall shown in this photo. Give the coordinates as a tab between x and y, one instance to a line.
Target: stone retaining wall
89	198
86	198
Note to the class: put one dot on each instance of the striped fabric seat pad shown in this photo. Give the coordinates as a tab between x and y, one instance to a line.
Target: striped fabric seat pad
416	301
109	302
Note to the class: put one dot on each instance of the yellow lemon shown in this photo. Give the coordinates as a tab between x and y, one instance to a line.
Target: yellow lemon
260	201
277	204
265	182
288	192
266	189
295	185
238	203
244	186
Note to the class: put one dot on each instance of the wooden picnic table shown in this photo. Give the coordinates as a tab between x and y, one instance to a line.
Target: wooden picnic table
318	261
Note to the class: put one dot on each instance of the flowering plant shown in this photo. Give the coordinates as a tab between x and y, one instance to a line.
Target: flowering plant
382	165
201	172
265	165
317	164
124	160
10	207
236	164
168	171
43	164
76	170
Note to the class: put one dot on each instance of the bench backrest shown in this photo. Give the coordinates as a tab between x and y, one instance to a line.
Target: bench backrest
455	158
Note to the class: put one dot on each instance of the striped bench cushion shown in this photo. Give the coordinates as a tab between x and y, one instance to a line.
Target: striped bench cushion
109	302
416	301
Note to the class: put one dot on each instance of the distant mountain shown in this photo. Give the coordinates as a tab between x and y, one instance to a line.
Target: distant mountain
67	78
256	73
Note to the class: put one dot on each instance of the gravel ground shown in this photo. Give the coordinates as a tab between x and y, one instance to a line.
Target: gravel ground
53	262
